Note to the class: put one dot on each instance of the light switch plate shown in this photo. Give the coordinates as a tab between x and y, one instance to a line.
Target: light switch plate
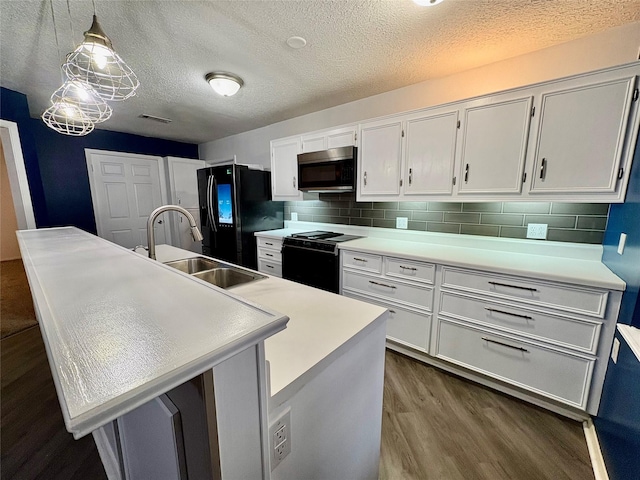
615	350
537	231
621	243
294	217
402	222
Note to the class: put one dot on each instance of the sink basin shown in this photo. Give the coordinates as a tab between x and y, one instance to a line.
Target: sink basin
195	264
228	277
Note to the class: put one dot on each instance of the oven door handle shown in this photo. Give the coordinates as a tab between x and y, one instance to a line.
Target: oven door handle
296	247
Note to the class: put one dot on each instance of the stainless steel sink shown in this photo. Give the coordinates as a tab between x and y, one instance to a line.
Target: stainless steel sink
228	277
195	264
220	274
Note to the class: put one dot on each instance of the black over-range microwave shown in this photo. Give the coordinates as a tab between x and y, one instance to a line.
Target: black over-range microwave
332	170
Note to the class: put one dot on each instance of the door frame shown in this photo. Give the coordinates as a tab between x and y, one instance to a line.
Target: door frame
164	197
14	159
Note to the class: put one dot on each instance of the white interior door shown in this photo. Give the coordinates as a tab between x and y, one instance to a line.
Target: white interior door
125	189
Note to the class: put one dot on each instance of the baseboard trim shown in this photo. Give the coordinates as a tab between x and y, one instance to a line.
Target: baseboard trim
595	453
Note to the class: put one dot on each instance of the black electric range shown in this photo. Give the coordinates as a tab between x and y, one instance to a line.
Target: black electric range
312	258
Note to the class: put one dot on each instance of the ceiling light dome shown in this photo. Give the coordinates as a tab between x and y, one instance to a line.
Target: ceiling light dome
84	97
427	3
96	63
225	84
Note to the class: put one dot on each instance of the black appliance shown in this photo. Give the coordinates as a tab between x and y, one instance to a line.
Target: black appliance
332	170
235	202
312	258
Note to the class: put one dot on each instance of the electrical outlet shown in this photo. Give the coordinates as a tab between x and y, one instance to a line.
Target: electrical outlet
294	217
537	231
402	222
280	438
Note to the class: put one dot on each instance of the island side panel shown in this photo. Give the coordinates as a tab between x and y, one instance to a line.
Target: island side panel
336	418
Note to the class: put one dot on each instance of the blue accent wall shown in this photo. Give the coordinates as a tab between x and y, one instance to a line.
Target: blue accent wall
64	196
618	420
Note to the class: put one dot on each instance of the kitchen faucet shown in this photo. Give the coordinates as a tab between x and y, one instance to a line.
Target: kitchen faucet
151	236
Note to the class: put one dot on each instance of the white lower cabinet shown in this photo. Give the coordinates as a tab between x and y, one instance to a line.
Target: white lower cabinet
551	372
269	255
546	342
408	297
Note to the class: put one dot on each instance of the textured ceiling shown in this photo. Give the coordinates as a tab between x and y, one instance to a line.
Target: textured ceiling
355	49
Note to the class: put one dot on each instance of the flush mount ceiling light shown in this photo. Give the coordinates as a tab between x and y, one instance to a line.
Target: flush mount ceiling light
83	97
223	83
427	3
96	63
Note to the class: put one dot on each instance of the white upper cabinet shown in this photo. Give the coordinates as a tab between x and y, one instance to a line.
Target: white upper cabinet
494	146
284	169
430	147
581	138
326	139
379	158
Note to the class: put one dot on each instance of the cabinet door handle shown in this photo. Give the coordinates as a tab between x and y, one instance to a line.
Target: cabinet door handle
466	173
413	269
392	311
365	178
410	175
294	182
524	350
382	284
543	169
360	259
497	284
526	317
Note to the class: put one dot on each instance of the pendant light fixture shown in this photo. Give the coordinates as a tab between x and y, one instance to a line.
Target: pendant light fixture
83	97
95	63
223	83
68	119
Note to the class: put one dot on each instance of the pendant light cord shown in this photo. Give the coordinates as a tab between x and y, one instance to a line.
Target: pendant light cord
73	35
55	32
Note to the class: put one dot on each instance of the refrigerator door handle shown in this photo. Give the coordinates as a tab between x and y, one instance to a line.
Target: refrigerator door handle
212	223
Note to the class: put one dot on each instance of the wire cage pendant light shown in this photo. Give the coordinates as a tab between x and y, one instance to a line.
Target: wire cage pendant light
83	97
94	62
68	119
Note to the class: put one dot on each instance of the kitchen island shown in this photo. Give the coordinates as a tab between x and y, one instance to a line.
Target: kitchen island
124	333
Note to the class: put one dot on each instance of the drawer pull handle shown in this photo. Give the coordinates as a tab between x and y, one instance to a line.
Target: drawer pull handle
392	311
360	259
382	284
505	344
269	266
526	317
497	284
268	254
413	269
267	243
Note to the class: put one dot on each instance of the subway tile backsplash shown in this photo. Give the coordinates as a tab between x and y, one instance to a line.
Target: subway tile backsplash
568	222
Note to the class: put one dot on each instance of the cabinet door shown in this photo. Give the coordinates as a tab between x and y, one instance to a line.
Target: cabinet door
284	169
581	138
380	154
314	143
184	182
342	137
494	147
430	154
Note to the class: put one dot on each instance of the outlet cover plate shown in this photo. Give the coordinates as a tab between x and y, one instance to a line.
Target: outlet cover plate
402	222
537	231
280	438
294	216
621	243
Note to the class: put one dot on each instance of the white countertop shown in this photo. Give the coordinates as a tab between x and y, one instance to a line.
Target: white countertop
574	263
121	329
321	326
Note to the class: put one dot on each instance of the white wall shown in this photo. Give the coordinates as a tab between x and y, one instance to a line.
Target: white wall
610	48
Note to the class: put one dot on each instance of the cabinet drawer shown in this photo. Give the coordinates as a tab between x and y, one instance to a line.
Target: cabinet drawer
404	326
270	268
562	376
563	331
552	295
270	255
386	289
416	271
264	242
362	261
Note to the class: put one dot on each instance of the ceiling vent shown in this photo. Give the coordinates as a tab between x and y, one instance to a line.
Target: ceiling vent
154	118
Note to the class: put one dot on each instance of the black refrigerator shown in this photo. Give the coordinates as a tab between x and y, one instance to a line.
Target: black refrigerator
235	202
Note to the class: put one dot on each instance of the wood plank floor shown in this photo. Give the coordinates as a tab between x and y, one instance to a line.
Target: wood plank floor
438	426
